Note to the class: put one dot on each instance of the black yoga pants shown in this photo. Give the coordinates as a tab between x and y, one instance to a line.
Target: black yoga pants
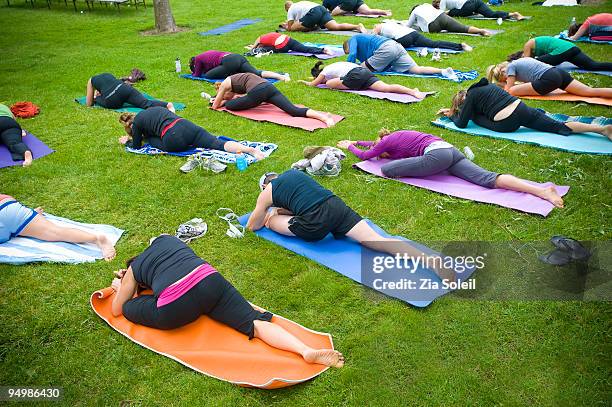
525	116
214	296
297	46
185	135
438	160
231	64
10	136
576	57
125	94
415	39
444	22
472	7
266	92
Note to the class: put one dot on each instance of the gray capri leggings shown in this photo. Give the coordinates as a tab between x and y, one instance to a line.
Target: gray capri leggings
438	160
444	22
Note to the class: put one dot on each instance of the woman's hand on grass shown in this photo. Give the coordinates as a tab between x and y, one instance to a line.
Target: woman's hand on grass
124	139
345	143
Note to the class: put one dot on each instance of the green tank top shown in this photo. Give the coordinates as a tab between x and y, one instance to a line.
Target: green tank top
551	45
5	111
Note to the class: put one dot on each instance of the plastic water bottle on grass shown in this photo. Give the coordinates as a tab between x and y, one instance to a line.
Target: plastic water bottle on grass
177	65
241	162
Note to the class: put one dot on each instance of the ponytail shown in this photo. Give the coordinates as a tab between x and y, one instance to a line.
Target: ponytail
316	69
457	101
126	119
514	56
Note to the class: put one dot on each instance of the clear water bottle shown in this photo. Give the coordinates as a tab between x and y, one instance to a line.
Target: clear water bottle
436	55
177	65
573	20
241	162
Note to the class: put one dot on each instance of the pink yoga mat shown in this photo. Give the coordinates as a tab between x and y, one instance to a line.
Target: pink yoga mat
38	148
394	97
270	113
453	186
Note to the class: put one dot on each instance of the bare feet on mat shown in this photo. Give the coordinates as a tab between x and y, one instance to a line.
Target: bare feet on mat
466	47
327	357
607	131
39	210
362	29
24	133
388	13
27	161
329	120
170	107
485	33
108	250
551	195
419	94
327	51
259	155
517	16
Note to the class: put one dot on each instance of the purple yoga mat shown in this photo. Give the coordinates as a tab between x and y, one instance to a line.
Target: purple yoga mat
39	149
394	97
453	186
336	53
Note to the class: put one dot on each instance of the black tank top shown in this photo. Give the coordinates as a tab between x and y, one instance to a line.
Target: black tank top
298	192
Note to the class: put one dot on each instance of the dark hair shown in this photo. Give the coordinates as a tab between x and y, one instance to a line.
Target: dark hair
514	56
316	69
136	75
573	29
345	46
192	64
413	9
129	262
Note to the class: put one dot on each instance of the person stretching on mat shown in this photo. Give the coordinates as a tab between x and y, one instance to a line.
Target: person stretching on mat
417	154
539	79
11	135
347	75
380	54
597	27
219	65
294	204
409	37
166	131
341	7
491	107
245	91
555	51
467	8
281	43
109	92
431	20
185	287
17	219
308	16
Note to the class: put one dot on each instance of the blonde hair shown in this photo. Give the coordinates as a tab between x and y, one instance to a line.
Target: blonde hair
126	119
494	72
457	101
288	4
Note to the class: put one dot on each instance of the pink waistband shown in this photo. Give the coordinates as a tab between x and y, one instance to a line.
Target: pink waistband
176	290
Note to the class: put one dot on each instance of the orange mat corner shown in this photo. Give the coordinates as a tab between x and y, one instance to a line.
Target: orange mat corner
567	97
219	351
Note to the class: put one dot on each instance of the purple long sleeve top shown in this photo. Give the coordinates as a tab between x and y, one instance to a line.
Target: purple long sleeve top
399	144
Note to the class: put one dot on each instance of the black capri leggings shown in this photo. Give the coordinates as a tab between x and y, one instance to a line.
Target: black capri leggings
415	39
444	22
185	135
266	92
10	135
525	116
552	79
125	94
293	45
231	64
472	7
576	57
214	296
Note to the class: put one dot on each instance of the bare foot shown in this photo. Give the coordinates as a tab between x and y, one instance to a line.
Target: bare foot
24	133
362	29
466	47
388	13
327	51
327	357
418	94
551	195
485	33
108	250
285	77
259	155
607	131
170	107
39	210
329	120
28	159
517	16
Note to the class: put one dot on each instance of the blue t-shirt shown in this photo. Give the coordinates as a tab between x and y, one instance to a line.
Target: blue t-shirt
362	46
297	192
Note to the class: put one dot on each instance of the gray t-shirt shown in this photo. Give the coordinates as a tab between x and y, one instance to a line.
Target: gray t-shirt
527	69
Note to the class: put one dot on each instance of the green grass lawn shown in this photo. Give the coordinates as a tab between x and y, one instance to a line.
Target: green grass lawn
452	353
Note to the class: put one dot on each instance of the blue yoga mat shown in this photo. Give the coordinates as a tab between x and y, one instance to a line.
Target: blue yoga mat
563	35
568	66
198	78
586	143
462	76
127	107
236	25
345	257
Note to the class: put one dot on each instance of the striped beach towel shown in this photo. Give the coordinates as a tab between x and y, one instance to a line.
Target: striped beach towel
461	76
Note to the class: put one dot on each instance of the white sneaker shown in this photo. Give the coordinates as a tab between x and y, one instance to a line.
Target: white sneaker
193	162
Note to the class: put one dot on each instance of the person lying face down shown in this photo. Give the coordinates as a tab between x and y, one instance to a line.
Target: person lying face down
308	16
493	108
347	75
597	26
417	154
409	37
380	54
341	7
294	204
17	219
539	78
467	8
219	65
166	131
281	43
555	51
112	93
431	20
186	287
245	91
11	135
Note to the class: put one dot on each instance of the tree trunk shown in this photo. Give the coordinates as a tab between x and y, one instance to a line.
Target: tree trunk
164	20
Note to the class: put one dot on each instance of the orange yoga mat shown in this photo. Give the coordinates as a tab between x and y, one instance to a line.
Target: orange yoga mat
219	351
568	97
